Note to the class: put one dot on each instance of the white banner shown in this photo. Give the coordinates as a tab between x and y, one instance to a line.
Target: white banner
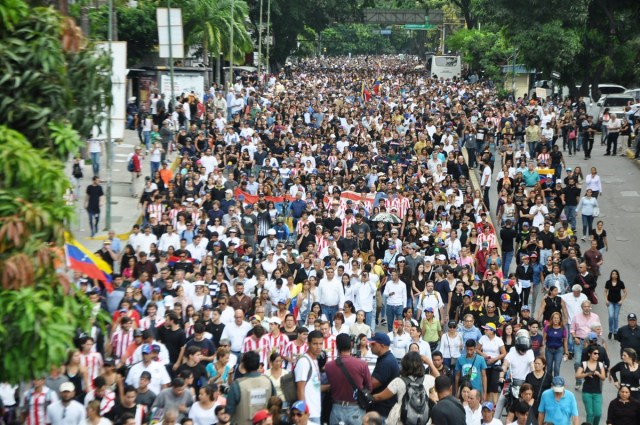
170	22
118	91
182	83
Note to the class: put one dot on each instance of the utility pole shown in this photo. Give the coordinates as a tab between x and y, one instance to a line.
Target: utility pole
269	40
231	48
260	42
109	144
170	102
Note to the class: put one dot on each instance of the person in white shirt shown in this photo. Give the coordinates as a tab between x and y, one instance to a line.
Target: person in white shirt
208	161
330	294
364	293
433	299
160	378
453	245
400	339
473	409
396	292
144	240
196	249
236	332
66	411
169	239
487	414
134	237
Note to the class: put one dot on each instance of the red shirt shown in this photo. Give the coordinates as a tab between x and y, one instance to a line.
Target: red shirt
341	389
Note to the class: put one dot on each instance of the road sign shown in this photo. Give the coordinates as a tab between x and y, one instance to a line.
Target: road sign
555	74
385	32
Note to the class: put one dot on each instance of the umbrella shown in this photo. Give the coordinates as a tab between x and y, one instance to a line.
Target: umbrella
418	67
386	217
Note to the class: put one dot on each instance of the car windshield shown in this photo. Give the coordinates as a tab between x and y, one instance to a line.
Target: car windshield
617	101
611	90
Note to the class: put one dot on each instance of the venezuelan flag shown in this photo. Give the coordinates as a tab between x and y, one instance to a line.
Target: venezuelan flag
376	87
81	259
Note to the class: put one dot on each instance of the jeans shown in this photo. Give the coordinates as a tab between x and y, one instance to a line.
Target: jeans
570	212
614	315
383	309
593	406
532	149
472	156
369	320
507	258
554	359
94	218
604	134
95	163
535	290
348	415
580	141
393	312
146	135
577	358
587	225
485	196
612	141
572	146
329	311
544	254
155	166
588	147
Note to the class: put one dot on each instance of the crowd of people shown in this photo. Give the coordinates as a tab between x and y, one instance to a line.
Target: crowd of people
323	252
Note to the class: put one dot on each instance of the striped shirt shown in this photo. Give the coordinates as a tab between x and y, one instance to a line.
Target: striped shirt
120	340
346	223
329	347
93	362
155	210
295	351
279	343
260	346
37	405
106	403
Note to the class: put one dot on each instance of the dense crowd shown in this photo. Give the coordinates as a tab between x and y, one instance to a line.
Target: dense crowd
322	251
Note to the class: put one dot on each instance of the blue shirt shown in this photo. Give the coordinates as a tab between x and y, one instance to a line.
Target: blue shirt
297	207
472	367
530	178
558	412
386	370
473	333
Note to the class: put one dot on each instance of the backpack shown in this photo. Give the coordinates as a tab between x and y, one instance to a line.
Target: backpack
288	383
415	404
77	171
130	167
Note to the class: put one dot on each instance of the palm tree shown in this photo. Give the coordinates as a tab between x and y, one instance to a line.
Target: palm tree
208	25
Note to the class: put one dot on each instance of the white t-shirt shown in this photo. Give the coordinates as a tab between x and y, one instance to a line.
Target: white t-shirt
201	416
312	388
451	347
520	365
491	347
486	177
474	417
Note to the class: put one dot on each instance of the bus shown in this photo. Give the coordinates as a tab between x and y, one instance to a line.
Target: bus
446	67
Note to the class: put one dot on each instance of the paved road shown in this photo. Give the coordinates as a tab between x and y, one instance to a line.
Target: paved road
620	211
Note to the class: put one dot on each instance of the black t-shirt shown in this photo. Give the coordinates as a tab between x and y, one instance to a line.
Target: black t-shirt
215	331
448	411
507	236
94	192
547	239
571	195
615	292
173	340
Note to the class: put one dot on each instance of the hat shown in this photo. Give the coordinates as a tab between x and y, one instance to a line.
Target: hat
401	258
592	336
256	318
380	338
282	301
300	406
392	247
526	223
275	320
207	307
67	386
576	287
569	169
155	347
525	308
632	316
557	384
506	318
146	349
261	415
429	309
505	298
468	294
107	242
137	333
490	327
271	232
487	405
533	255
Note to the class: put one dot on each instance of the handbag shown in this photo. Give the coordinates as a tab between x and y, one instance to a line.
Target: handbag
589	292
596	211
363	396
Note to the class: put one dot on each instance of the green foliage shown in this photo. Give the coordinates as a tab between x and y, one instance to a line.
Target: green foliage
362	39
42	84
51	92
482	50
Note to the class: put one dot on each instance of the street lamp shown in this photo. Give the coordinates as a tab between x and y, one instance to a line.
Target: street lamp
231	46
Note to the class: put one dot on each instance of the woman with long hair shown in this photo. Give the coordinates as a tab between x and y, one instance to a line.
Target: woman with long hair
554	339
491	347
526	395
306	298
593	373
587	206
629	373
276	372
539	378
614	294
624	410
202	411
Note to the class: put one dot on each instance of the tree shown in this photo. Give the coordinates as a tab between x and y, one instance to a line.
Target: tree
587	41
482	50
52	88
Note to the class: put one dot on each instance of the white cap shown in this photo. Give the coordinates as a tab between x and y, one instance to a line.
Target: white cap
275	320
271	232
67	386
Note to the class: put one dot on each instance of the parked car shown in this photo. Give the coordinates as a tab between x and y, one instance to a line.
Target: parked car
616	103
635	93
605	90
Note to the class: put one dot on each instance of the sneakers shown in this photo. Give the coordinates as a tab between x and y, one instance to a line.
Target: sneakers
583	239
610	335
607	154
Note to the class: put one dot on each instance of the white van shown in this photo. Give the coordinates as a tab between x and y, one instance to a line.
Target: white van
605	89
446	67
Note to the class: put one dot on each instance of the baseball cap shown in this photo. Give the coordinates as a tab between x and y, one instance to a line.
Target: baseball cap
526	223
380	338
526	308
557	384
490	327
275	320
137	333
487	405
468	294
477	298
67	386
505	298
155	347
261	415
392	247
429	309
146	349
300	406
632	316
592	336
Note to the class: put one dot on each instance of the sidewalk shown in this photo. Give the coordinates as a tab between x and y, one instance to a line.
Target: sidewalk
125	210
